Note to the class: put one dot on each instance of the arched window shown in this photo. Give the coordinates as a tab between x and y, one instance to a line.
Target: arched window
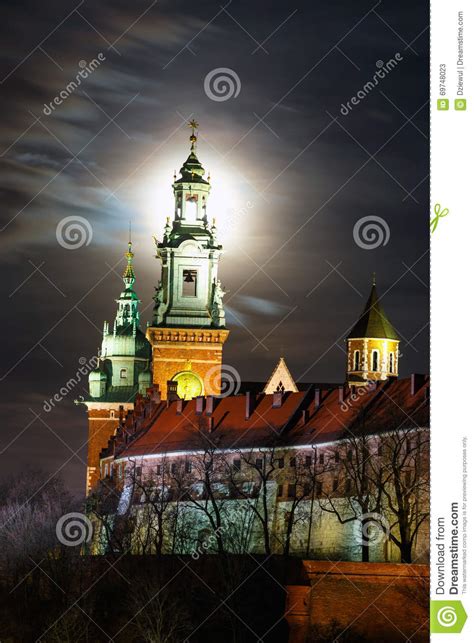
357	360
191	209
375	360
391	363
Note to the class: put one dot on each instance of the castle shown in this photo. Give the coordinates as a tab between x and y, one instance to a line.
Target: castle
328	471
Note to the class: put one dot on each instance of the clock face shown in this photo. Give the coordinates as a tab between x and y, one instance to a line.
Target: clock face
189	385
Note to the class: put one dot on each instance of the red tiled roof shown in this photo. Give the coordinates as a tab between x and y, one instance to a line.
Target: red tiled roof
296	421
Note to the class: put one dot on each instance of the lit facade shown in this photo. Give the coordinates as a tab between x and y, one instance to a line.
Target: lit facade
188	330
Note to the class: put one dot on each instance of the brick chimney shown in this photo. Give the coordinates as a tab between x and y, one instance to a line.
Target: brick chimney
277	399
199	405
317	399
249	404
210	404
210	424
179	407
341	394
417	381
172	391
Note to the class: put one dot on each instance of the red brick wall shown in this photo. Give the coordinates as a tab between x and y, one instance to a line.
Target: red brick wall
367	601
101	428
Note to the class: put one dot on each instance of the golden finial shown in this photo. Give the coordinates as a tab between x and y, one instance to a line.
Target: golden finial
129	275
193	124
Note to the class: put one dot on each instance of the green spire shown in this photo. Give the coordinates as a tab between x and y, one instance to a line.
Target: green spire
373	323
127	312
129	274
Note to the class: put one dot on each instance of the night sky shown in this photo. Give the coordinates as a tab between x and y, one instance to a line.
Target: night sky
291	177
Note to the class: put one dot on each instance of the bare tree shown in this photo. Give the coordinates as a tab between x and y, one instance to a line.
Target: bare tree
402	478
155	509
302	479
254	483
201	483
160	616
350	490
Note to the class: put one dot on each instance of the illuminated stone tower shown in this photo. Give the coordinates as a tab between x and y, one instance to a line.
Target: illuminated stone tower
123	370
372	345
188	329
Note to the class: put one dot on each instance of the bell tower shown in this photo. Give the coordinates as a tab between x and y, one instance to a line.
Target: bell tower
122	371
188	329
372	345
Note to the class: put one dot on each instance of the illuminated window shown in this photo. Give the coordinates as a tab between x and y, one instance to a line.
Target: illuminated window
390	363
356	360
123	373
189	283
375	360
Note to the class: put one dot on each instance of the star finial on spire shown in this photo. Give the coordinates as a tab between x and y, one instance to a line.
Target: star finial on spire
193	124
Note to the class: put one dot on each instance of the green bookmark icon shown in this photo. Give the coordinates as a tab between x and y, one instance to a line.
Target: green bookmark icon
447	617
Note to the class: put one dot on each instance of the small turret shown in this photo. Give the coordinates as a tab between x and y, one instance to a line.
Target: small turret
97	382
372	344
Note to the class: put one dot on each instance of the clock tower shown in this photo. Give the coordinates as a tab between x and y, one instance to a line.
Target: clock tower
188	329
